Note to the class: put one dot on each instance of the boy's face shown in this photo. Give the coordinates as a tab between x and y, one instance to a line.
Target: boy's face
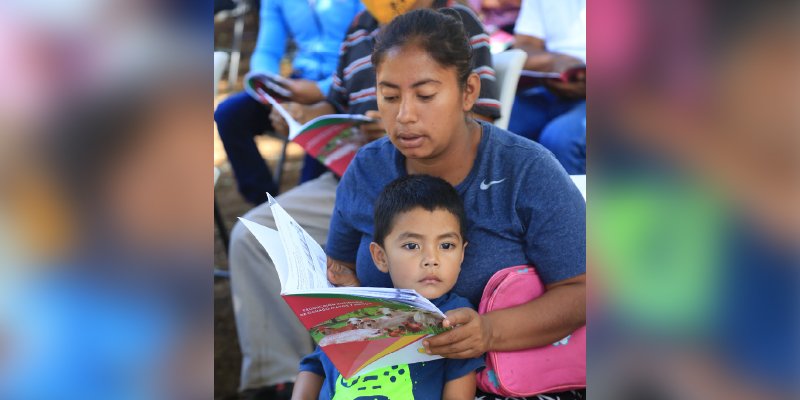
423	252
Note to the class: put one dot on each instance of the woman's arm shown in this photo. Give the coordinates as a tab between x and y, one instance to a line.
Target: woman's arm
546	319
307	386
460	389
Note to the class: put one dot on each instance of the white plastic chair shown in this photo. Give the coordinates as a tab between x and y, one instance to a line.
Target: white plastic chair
507	66
220	61
580	182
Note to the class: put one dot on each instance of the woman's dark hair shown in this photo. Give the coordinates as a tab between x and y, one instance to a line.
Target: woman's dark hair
409	192
439	32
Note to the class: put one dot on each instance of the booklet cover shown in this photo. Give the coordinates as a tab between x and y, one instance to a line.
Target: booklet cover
359	328
333	139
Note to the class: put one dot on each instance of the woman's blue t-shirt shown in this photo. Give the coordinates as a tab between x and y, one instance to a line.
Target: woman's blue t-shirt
521	206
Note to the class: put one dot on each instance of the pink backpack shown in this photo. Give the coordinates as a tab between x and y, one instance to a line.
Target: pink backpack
556	367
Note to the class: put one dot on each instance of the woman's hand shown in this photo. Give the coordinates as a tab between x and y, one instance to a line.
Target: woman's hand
470	337
342	273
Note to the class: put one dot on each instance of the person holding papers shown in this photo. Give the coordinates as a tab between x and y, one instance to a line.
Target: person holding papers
521	206
317	28
553	33
419	241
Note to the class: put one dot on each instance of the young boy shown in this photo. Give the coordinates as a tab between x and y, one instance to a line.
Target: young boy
419	242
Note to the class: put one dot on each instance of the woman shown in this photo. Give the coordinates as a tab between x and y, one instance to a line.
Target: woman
522	207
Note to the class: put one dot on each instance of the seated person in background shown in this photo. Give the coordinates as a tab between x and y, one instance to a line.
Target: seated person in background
272	339
553	33
317	29
497	14
419	242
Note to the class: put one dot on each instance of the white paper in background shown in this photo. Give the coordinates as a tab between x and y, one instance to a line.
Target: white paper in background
271	241
303	253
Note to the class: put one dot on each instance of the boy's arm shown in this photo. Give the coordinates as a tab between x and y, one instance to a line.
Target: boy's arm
307	386
460	389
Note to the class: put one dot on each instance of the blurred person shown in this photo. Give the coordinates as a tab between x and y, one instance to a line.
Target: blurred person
497	14
272	340
104	300
697	224
553	33
317	28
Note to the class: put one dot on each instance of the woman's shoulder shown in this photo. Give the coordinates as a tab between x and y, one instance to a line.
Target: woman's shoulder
511	144
374	157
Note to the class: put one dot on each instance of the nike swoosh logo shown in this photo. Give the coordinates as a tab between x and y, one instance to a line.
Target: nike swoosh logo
485	185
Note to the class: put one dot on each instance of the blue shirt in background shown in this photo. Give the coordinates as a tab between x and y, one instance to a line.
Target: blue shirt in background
317	27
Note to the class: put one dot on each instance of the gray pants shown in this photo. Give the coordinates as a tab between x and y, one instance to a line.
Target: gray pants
271	337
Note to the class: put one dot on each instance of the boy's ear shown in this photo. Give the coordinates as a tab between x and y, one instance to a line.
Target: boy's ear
463	250
379	257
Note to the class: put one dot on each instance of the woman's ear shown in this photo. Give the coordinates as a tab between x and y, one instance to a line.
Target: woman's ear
472	89
379	257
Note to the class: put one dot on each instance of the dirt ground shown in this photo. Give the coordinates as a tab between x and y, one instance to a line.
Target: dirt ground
227	356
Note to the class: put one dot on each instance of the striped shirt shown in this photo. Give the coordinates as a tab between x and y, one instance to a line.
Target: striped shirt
353	88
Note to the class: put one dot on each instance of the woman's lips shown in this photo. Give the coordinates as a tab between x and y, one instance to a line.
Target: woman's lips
410	140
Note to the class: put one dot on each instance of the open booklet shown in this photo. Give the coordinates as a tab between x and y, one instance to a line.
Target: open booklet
360	329
332	139
273	84
528	79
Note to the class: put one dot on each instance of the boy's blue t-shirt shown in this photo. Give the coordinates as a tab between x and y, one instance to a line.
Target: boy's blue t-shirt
409	381
521	207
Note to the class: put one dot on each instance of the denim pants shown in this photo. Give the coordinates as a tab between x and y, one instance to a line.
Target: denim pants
556	123
239	119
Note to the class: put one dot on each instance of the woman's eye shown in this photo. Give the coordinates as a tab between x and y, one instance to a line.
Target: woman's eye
448	246
390	99
426	98
411	246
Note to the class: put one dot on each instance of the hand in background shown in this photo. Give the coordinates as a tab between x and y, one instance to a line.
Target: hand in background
375	130
341	273
297	111
304	91
567	90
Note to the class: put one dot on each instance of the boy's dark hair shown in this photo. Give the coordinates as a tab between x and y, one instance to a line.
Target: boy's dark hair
440	33
409	192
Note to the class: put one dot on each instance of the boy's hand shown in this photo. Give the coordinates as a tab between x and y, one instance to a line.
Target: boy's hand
341	273
470	337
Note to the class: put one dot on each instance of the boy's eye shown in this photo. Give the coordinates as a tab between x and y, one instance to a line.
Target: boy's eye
448	246
411	246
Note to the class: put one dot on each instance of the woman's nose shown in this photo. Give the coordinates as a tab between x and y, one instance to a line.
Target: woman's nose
407	113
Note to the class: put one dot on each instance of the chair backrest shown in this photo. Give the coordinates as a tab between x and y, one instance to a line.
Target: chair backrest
507	67
220	61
